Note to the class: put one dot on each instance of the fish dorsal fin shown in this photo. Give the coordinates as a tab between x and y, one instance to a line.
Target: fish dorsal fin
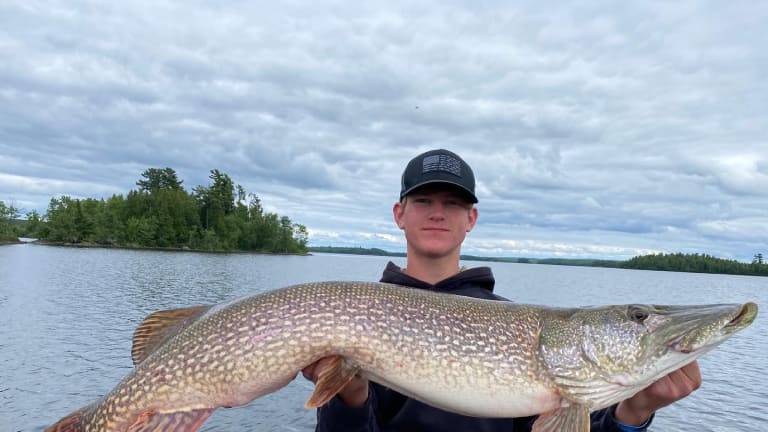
187	421
331	380
574	418
160	326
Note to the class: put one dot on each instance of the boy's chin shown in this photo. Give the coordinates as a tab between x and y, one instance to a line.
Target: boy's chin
437	251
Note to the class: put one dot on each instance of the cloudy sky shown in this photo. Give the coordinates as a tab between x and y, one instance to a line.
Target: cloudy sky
595	129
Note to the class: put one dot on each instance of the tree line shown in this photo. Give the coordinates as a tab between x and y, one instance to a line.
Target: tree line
697	263
162	214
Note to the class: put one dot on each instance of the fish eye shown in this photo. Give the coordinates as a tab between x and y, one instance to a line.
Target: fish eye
638	314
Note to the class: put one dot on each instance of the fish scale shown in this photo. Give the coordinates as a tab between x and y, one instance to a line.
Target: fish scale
477	357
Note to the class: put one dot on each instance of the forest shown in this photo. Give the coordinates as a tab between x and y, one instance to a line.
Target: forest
160	213
697	263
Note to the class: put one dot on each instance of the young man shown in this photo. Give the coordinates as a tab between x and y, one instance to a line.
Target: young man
436	211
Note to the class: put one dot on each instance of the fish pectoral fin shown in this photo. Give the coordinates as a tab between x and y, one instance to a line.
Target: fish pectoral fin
187	421
160	326
574	418
71	423
331	380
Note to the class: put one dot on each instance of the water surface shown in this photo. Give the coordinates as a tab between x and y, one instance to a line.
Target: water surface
67	317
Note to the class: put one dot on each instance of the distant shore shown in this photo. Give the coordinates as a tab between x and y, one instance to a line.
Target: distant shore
677	262
522	260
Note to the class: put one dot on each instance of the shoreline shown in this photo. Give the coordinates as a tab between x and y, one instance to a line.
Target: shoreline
90	245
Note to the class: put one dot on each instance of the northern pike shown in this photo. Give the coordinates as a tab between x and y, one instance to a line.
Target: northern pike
476	357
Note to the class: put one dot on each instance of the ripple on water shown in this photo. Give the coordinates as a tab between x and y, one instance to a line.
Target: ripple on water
67	317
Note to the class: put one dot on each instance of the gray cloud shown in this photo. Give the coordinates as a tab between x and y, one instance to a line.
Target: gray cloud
594	130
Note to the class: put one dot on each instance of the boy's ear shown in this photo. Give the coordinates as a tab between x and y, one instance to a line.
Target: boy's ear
472	218
397	214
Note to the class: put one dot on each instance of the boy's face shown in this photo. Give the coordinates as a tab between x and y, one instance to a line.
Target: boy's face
435	220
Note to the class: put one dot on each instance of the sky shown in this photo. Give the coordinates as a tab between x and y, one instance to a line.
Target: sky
596	129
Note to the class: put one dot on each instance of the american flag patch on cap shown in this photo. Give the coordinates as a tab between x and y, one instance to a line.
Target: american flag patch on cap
441	162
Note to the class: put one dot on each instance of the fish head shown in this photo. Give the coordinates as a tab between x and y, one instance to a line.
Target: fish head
600	356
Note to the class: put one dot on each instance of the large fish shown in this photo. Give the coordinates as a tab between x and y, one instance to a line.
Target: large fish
477	357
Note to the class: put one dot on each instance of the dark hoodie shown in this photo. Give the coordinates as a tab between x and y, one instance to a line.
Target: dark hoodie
388	410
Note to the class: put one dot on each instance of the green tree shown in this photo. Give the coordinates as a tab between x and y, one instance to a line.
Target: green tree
61	216
156	179
113	220
301	238
140	231
34	224
8	213
88	215
216	202
162	207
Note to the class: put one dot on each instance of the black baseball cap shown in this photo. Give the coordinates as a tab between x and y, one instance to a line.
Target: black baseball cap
435	167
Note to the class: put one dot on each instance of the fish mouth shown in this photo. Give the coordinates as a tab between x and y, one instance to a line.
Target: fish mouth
708	326
745	317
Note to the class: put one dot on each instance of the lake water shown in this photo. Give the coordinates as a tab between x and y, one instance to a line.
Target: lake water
67	317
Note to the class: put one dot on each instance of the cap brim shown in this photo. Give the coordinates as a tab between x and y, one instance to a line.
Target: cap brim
471	197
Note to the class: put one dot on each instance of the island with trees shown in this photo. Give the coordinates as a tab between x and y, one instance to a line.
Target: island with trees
162	214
